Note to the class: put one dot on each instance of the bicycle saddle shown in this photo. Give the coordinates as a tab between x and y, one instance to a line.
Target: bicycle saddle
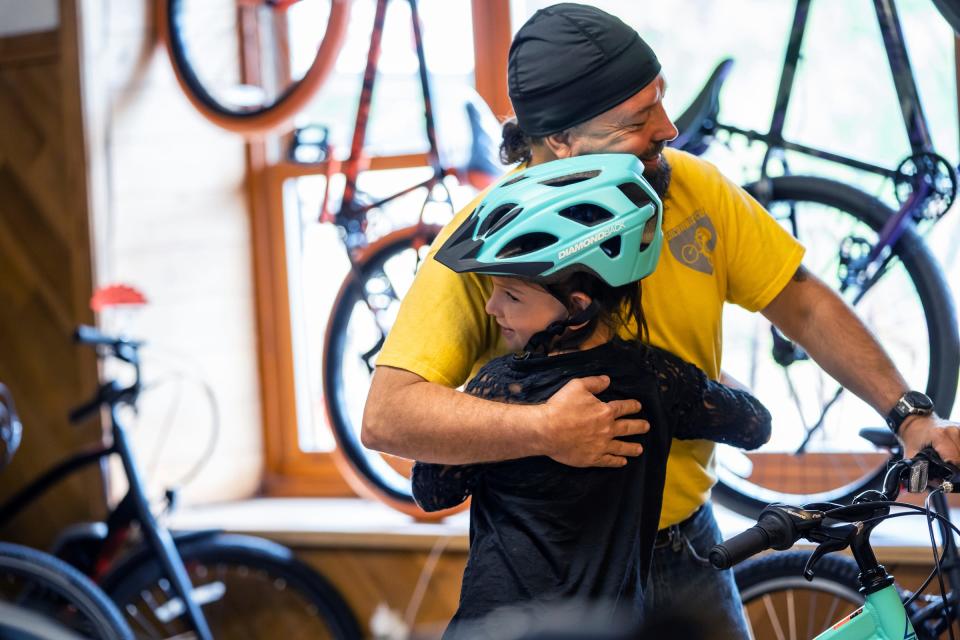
696	123
880	437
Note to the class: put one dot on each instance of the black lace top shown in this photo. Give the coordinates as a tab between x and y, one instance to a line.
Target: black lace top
541	531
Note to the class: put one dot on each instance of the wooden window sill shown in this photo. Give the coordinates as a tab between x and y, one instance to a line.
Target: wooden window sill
354	523
325	522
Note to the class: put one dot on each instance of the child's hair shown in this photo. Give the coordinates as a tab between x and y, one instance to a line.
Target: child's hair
618	306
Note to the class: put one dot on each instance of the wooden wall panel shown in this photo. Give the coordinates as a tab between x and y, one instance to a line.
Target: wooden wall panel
45	268
370	577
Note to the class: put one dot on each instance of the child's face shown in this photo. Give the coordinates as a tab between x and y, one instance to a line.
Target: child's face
522	309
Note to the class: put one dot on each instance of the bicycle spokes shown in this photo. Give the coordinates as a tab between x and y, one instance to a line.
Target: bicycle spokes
813	452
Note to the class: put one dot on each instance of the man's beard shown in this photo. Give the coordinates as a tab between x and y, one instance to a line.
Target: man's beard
659	177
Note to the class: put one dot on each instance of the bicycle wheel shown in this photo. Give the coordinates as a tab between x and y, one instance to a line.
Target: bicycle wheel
363	312
43	584
814	454
778	602
247	588
232	59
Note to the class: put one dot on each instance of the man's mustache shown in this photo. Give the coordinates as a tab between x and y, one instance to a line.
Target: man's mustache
657	150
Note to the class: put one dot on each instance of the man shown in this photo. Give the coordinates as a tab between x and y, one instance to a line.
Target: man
581	81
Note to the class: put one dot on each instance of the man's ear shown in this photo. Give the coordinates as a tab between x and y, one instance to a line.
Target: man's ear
559	144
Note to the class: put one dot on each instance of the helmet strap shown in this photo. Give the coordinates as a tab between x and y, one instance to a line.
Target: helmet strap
551	338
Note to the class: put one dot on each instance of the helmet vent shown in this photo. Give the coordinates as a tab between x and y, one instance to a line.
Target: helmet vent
570	178
504	220
494	217
514	180
527	243
611	247
649	233
586	214
635	193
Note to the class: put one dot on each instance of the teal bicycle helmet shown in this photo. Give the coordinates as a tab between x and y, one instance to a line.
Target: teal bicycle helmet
592	213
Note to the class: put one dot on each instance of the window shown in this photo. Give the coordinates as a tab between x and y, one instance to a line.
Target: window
303	261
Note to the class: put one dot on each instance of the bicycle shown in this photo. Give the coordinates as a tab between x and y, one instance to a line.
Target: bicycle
875	607
863	249
209	583
38	590
380	269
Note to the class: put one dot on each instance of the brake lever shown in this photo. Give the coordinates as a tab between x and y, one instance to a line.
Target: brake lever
830	541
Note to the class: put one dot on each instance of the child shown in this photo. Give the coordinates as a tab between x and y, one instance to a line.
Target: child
566	244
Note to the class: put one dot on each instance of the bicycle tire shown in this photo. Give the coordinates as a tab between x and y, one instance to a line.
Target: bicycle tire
366	471
42	583
17	623
775	592
248	587
267	117
921	271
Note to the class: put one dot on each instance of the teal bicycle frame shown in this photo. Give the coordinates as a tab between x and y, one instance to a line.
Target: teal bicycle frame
882	617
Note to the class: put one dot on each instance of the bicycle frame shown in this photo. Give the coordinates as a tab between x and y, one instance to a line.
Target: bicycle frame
913	115
352	214
882	617
870	267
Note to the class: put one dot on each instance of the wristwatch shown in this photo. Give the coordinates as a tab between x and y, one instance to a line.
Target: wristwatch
912	403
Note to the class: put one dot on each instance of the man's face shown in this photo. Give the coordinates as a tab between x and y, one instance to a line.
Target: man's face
639	125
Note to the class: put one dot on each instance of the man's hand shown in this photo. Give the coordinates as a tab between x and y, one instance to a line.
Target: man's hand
579	430
917	432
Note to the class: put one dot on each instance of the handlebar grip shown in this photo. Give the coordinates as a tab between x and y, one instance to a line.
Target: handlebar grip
92	336
739	547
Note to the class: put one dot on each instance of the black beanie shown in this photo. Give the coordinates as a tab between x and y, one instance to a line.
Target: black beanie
570	62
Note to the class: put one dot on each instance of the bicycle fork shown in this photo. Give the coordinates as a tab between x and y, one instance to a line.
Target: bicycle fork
157	537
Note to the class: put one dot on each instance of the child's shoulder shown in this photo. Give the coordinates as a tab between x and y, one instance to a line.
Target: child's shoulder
649	358
640	352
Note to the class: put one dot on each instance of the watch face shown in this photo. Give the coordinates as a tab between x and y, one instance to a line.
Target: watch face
918	401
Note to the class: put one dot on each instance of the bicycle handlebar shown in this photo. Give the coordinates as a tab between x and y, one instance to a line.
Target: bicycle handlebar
92	336
780	526
110	392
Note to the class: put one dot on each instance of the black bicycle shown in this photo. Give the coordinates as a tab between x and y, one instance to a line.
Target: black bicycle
40	595
208	583
800	594
874	256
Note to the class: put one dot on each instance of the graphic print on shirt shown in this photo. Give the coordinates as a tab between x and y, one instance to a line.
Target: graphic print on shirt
692	242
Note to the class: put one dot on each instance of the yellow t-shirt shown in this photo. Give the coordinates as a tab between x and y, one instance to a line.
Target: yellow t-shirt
719	246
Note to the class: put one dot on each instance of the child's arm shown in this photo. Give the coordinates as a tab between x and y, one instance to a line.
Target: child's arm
706	409
441	486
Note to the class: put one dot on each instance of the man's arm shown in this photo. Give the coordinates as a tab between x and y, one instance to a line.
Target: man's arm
446	426
810	313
